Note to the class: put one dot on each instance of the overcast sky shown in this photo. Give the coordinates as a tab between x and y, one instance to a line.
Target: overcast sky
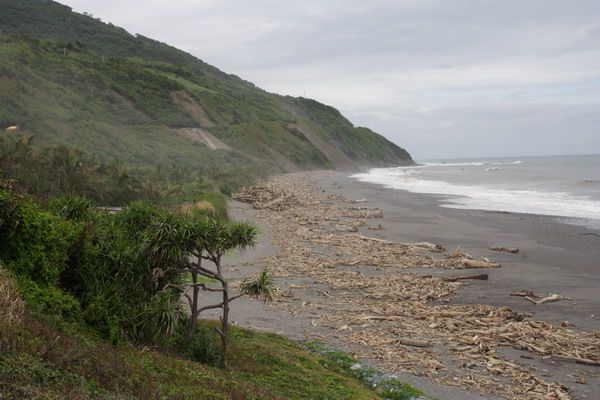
441	78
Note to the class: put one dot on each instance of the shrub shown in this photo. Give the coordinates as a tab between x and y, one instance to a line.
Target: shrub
49	300
72	208
160	318
200	347
35	244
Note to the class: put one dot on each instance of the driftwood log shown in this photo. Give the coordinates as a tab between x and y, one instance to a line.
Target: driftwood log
414	343
480	264
504	249
471	276
523	293
550	298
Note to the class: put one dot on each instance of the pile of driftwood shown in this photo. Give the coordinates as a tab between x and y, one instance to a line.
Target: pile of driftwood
399	318
266	198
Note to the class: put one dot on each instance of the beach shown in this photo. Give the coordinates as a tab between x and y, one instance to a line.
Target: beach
360	267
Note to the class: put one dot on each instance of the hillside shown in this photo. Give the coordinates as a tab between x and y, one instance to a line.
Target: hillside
69	78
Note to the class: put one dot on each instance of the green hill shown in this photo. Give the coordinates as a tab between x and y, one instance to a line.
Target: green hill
68	78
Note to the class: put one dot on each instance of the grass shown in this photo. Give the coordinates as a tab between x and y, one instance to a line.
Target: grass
45	358
284	367
387	386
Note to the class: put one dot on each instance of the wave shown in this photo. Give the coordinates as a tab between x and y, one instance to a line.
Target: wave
488	198
467	164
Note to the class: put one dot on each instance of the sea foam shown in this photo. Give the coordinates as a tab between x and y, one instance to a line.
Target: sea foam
520	197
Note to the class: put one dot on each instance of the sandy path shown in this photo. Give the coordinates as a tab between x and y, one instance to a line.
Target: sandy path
365	296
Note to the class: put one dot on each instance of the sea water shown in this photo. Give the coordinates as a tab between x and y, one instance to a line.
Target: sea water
562	186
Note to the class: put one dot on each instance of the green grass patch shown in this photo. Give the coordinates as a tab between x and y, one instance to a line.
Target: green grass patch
386	385
45	358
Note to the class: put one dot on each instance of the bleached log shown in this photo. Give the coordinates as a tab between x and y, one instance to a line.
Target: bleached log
361	237
504	249
472	276
414	343
550	298
524	293
480	264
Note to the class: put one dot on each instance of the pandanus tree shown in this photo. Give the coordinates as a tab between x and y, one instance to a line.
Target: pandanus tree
195	245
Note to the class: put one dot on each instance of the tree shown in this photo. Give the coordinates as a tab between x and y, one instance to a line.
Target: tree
184	243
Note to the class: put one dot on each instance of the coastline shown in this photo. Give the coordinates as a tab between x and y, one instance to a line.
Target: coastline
553	253
553	257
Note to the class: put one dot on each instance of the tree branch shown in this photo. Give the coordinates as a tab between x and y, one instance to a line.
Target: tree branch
188	297
236	297
204	287
210	307
205	272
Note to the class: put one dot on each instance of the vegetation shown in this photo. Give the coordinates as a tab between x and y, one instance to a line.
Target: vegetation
70	78
98	289
90	301
183	244
42	359
388	386
64	171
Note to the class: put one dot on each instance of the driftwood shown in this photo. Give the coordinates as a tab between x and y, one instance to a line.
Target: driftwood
480	264
353	201
367	238
524	293
380	317
266	198
589	234
371	311
413	342
550	298
504	249
458	253
579	360
471	276
368	212
379	227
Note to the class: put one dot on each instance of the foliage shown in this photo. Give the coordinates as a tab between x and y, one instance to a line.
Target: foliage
36	245
72	208
114	272
39	359
388	386
64	171
182	244
160	318
200	347
259	287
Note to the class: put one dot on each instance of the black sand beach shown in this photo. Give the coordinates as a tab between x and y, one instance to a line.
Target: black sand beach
554	257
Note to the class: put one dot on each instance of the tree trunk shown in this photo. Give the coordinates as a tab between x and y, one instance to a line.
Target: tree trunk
194	305
224	324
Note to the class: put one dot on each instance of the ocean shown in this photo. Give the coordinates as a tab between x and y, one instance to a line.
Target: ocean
560	186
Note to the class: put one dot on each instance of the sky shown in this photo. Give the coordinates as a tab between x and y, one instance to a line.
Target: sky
441	78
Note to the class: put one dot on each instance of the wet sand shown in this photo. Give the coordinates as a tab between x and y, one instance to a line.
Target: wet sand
553	257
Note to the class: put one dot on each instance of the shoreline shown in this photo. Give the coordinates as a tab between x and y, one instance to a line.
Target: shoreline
552	251
546	246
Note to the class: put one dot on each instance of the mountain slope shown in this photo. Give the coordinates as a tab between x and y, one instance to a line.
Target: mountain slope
73	79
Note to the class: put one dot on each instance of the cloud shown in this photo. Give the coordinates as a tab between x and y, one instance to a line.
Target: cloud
508	128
